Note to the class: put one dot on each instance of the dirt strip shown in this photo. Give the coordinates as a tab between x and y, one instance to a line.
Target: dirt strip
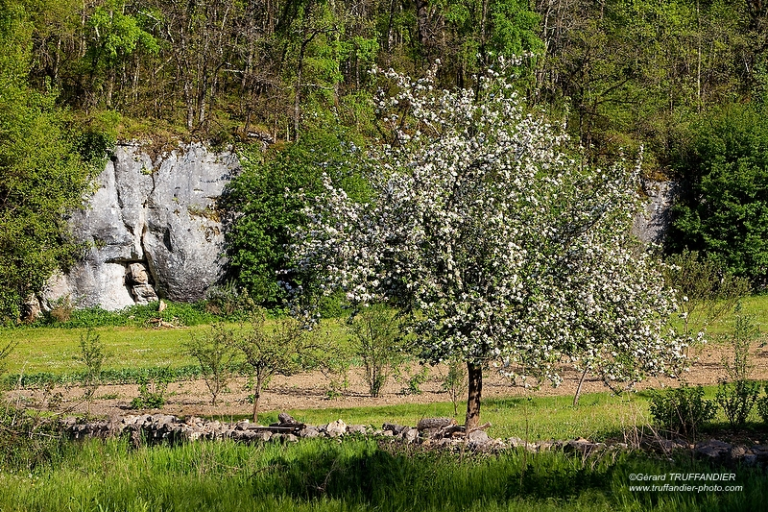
311	390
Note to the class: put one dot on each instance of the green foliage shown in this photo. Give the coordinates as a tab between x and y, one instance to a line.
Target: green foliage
27	440
738	397
737	400
152	389
762	407
114	37
412	380
705	292
108	376
5	351
741	339
269	198
220	306
681	410
455	383
92	355
215	354
378	340
284	350
724	209
42	175
323	475
229	301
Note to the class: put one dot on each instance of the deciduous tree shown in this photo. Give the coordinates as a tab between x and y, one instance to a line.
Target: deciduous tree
505	249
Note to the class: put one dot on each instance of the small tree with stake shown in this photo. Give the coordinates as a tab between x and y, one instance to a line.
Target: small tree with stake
284	350
500	245
215	354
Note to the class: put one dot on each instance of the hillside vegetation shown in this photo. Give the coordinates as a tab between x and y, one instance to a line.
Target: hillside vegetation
684	79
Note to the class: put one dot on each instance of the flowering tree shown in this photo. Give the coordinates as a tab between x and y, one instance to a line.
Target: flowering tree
504	248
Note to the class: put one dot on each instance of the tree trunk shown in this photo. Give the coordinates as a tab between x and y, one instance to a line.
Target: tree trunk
475	375
578	389
422	17
256	396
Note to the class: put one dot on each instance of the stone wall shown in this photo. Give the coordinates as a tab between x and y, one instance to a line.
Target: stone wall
153	228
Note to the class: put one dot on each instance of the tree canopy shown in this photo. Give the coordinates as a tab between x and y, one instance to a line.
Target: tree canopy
41	174
502	246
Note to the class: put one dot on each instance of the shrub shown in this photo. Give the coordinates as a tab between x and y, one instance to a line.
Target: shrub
284	350
705	291
723	210
229	301
61	310
92	355
455	383
737	400
738	397
215	354
412	381
4	353
681	410
379	342
762	406
152	390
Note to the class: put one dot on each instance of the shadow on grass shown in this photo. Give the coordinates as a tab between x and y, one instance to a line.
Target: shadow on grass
416	479
413	478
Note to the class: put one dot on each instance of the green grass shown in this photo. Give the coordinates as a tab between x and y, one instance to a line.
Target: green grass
356	475
599	416
755	305
53	350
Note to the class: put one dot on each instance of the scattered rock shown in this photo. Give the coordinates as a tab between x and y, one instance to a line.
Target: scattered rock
163	427
435	423
738	452
309	432
357	429
478	436
410	435
395	429
582	446
713	449
336	429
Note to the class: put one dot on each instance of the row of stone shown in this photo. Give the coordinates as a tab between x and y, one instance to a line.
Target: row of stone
435	432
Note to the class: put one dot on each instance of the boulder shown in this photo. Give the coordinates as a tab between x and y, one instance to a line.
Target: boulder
713	449
138	273
652	223
336	428
153	229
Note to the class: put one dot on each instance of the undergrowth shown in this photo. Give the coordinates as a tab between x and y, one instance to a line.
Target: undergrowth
325	475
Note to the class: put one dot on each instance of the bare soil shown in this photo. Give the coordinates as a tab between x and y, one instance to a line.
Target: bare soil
311	390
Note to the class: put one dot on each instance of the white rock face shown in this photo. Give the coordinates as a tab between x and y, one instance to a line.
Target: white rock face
153	229
652	225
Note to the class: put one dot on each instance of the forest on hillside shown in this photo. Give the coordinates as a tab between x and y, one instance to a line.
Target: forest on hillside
686	80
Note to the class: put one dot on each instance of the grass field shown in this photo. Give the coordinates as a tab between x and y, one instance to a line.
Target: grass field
42	472
53	350
356	475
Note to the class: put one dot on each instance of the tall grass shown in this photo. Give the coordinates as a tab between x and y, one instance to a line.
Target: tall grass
324	475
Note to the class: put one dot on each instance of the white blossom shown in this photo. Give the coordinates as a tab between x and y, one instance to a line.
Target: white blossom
509	249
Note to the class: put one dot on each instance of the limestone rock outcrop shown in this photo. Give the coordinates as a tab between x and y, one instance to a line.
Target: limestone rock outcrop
153	227
652	225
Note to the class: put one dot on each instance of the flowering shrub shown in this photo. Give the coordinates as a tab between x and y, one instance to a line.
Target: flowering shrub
508	249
